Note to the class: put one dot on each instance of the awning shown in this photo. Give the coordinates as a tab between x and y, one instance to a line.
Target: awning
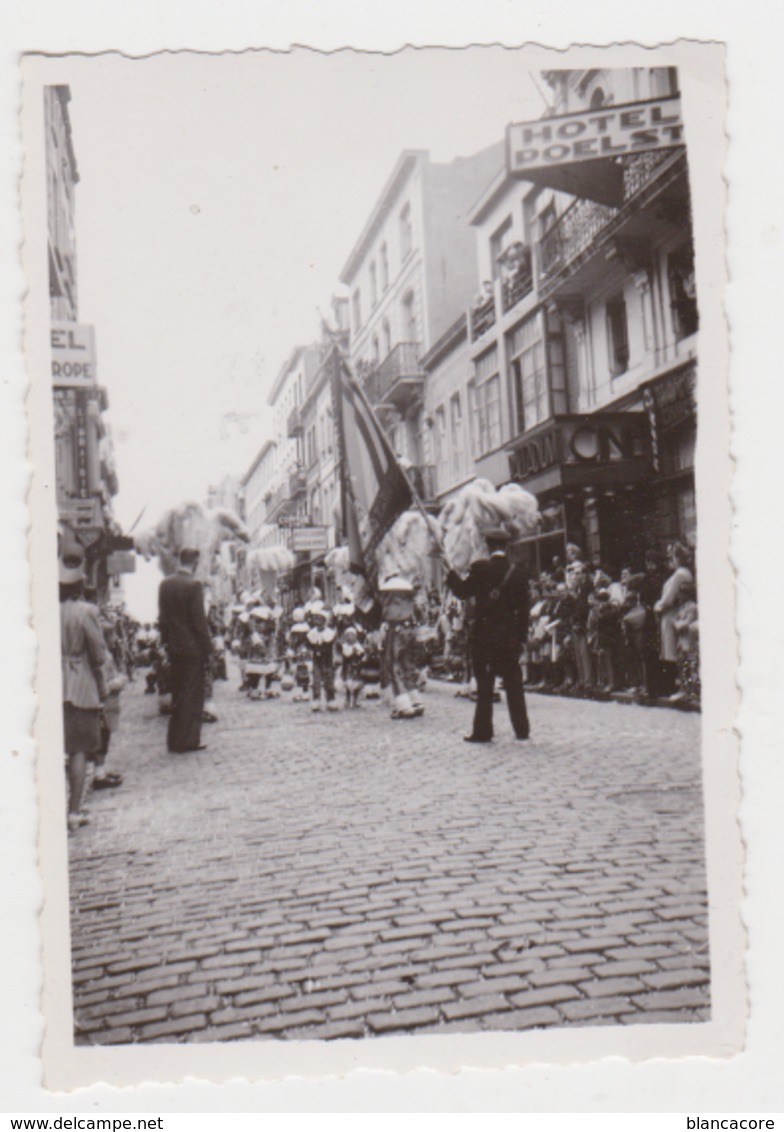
600	180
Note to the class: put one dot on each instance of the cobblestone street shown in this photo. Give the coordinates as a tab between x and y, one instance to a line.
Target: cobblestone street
338	876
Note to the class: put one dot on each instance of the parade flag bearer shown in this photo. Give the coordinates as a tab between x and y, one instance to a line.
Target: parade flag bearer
500	627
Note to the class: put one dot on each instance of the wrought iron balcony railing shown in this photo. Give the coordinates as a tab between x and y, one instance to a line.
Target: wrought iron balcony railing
583	220
400	367
517	287
298	483
482	318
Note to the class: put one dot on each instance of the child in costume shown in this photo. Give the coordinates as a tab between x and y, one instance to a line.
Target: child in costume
300	650
352	656
321	639
397	603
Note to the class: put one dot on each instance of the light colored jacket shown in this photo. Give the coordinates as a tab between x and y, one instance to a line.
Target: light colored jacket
83	654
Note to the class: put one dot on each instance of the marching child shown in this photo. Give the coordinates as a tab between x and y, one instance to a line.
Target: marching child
352	656
321	639
298	643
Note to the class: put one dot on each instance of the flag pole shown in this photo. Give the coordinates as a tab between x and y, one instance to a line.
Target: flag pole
415	497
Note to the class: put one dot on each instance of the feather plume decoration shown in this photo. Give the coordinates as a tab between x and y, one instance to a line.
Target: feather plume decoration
477	508
408	547
190	524
271	559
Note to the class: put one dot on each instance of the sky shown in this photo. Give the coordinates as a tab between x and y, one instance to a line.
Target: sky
219	198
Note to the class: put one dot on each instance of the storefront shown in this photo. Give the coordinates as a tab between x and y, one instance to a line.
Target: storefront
590	474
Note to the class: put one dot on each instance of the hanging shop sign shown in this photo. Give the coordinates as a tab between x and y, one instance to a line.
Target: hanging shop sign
73	354
121	562
81	514
583	450
607	132
670	401
311	539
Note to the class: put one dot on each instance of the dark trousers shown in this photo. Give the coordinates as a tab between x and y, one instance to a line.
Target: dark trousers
187	689
493	658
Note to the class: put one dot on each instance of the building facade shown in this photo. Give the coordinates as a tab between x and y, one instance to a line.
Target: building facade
411	271
583	347
85	472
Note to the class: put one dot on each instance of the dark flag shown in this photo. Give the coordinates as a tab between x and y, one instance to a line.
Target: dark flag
375	490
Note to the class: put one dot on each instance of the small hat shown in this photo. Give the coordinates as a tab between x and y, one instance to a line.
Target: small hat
71	568
396	583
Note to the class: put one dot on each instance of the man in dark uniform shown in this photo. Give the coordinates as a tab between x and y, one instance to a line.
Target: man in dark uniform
186	636
500	627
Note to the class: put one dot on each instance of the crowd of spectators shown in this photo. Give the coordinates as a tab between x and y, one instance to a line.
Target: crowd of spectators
633	636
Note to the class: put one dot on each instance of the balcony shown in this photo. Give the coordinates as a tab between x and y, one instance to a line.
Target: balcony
482	317
564	245
298	483
278	502
294	426
520	284
397	378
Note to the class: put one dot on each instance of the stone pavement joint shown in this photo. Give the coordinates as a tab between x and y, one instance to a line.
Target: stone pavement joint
340	877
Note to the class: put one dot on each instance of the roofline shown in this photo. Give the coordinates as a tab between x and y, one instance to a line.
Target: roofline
405	162
283	372
448	340
494	193
266	446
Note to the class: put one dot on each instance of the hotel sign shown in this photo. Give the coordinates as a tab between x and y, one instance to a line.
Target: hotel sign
73	355
607	132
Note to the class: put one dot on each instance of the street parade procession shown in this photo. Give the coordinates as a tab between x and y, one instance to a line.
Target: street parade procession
381	688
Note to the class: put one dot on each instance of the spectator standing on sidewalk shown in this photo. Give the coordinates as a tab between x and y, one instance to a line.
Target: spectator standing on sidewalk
104	779
667	607
186	636
84	687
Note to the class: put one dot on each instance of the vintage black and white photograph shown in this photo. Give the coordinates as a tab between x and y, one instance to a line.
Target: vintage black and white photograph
381	451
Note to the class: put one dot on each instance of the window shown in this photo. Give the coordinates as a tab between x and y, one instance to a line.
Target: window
472	419
547	219
617	336
384	258
357	305
683	293
386	335
488	402
529	372
373	285
409	318
440	436
538	370
499	242
406	232
375	357
312	446
456	454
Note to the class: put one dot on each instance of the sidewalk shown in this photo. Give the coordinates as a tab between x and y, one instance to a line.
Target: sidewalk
326	876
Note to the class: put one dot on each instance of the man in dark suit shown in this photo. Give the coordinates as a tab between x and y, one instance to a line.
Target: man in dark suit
184	632
500	627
